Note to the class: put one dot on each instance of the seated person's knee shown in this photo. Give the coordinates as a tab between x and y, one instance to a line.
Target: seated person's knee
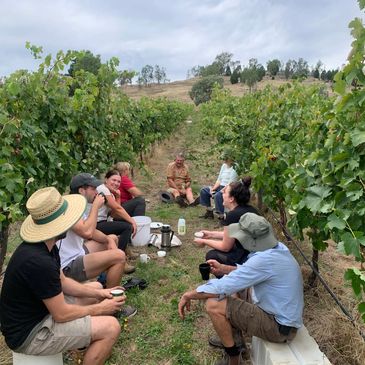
211	305
211	255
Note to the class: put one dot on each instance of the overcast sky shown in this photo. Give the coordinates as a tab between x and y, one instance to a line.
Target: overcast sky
177	34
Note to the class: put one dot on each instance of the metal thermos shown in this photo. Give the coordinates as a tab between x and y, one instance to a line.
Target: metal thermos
166	236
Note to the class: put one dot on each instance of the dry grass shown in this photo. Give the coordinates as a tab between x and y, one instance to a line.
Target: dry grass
179	90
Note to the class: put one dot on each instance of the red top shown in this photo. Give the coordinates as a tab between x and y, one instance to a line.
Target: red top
125	184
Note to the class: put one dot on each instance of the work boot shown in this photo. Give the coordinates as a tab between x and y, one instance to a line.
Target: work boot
128	269
126	312
181	201
195	202
215	340
227	360
208	215
131	255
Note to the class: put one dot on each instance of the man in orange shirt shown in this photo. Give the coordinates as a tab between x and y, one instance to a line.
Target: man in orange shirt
179	182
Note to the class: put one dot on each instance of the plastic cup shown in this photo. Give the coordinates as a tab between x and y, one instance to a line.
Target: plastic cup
117	292
204	269
144	258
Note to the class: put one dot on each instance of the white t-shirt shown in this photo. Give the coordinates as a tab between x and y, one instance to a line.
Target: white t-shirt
71	246
103	212
227	175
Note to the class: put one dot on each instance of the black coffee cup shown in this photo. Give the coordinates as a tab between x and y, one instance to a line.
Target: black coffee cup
204	269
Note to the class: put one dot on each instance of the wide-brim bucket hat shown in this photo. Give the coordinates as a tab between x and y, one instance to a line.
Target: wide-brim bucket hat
166	197
51	214
254	232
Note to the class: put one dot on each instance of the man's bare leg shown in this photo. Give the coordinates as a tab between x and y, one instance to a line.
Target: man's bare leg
189	195
104	333
94	246
174	192
217	313
112	261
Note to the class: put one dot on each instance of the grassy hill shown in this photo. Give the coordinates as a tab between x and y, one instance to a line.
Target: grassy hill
179	90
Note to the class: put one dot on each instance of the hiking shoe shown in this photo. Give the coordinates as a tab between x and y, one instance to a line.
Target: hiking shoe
195	202
126	312
226	360
130	253
128	269
208	215
181	201
215	341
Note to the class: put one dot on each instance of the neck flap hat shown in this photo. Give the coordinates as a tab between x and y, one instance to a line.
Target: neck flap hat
254	233
51	214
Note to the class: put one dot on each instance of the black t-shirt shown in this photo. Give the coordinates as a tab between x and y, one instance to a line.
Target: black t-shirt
33	274
234	217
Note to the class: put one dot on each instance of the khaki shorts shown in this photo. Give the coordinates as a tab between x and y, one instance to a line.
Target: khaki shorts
51	338
253	321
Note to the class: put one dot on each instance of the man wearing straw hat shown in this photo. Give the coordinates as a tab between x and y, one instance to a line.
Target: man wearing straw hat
269	283
36	318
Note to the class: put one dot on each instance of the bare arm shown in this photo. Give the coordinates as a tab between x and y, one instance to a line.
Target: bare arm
86	228
217	268
225	244
63	312
134	191
188	296
171	183
117	211
213	234
76	289
215	186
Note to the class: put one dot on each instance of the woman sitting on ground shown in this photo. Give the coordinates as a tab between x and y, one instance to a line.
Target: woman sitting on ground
227	175
112	217
227	250
131	197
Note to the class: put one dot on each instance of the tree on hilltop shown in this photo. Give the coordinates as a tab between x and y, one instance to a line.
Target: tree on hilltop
146	75
160	74
273	67
223	60
253	73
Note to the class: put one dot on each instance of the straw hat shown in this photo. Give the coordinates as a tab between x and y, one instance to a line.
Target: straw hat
51	214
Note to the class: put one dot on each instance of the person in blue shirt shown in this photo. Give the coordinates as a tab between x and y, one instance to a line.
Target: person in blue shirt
262	297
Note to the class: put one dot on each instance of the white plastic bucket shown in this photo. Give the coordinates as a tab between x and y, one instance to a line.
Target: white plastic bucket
143	230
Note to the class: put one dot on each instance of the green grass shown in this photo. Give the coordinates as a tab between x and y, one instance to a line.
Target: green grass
157	335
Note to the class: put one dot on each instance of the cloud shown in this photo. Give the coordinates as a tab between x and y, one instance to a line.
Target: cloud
178	35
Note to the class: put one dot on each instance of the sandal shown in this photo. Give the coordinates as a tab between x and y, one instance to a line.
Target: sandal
134	283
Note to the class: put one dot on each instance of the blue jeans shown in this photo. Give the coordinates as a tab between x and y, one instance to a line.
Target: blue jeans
218	198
